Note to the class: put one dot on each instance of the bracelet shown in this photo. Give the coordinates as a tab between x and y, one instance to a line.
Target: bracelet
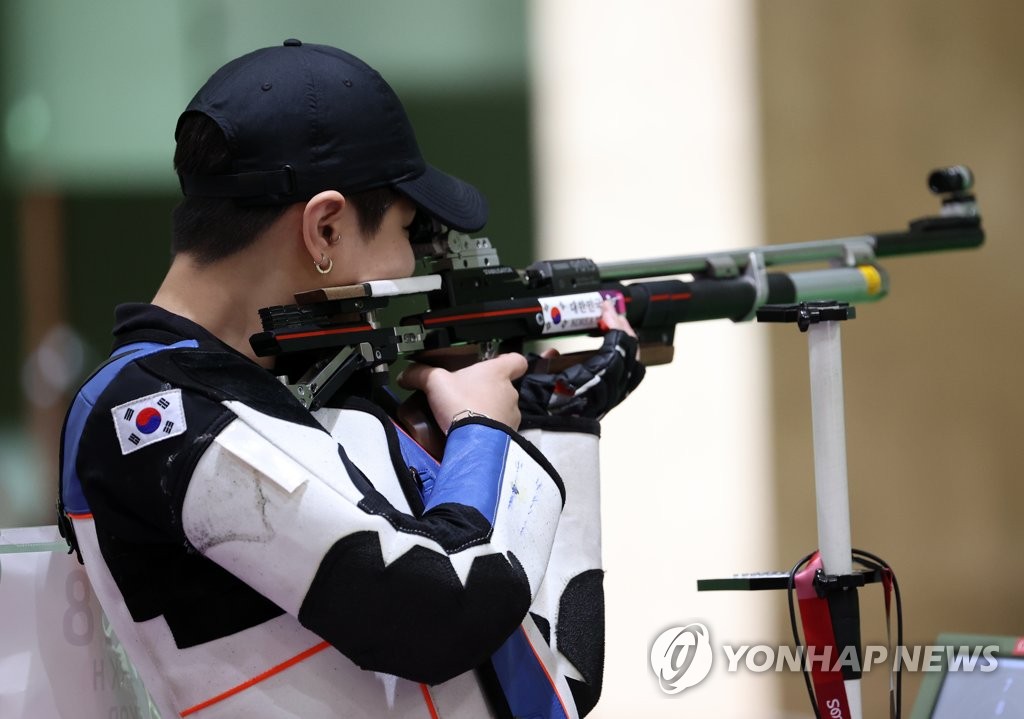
465	414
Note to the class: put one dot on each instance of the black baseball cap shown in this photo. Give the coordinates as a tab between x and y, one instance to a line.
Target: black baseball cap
302	118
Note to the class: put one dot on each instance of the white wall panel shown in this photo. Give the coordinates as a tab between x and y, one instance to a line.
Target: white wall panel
645	119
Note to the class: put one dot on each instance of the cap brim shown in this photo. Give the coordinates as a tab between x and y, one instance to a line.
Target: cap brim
455	203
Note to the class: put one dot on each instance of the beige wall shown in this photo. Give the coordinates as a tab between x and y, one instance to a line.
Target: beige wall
860	101
627	169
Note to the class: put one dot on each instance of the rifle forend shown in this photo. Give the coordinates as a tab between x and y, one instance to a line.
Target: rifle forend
475	301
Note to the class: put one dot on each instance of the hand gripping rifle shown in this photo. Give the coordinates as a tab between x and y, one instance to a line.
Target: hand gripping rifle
476	307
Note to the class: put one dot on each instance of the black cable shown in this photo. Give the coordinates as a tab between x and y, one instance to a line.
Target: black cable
899	622
872	562
796	632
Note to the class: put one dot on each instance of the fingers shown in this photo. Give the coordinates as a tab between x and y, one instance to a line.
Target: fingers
508	366
612	320
483	388
511	365
415	376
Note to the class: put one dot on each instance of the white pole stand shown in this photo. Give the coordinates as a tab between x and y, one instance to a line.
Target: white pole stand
829	430
830	481
821	320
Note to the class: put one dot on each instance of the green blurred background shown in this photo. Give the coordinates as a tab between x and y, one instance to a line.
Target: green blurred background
90	94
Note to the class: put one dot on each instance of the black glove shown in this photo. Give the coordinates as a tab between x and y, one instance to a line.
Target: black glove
588	389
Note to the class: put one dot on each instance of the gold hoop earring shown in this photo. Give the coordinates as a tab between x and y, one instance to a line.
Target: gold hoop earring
319	265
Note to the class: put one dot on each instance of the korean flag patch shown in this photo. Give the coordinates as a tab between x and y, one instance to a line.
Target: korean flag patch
148	420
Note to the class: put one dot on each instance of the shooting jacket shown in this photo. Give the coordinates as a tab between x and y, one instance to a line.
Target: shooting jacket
257	560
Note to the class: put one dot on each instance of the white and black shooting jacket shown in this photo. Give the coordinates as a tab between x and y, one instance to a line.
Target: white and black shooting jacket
257	560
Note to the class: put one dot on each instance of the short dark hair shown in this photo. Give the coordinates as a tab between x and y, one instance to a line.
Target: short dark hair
371	205
209	228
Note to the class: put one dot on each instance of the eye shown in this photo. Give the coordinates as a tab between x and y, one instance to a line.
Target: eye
419	228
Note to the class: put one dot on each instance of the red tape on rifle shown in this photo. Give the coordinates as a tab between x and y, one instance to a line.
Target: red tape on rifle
816	619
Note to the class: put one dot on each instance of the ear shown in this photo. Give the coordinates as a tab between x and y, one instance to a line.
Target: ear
322	220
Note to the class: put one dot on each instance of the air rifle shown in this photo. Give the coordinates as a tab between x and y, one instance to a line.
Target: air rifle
478	307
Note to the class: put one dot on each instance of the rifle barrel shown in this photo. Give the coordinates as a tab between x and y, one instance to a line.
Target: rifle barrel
950	234
793	253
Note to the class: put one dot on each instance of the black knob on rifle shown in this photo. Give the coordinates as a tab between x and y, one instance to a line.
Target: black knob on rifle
956	178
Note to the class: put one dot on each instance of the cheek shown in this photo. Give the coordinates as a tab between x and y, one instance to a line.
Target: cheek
405	260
